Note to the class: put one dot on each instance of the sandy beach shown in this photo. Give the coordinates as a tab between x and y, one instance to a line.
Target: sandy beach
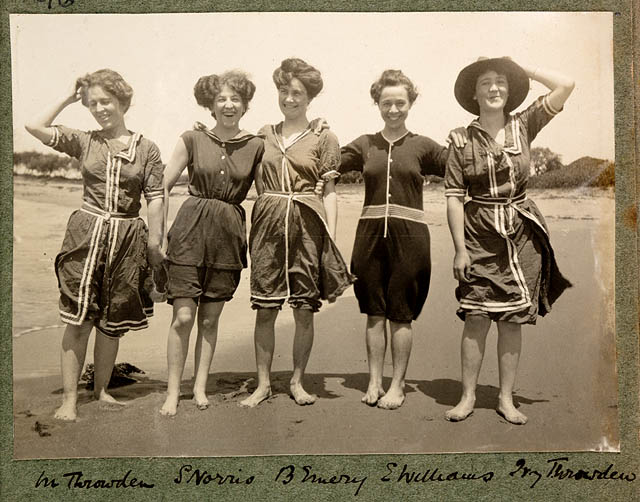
566	382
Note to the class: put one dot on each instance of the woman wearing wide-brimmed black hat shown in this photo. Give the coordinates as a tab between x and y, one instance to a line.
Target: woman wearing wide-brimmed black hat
503	258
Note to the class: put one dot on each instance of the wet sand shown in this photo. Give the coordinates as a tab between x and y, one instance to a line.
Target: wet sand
566	382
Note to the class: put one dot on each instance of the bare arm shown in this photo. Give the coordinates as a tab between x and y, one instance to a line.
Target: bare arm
40	127
155	217
258	180
455	218
175	167
330	202
560	85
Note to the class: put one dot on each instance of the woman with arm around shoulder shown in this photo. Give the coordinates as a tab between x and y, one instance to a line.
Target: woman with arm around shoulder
207	245
293	255
503	257
102	267
391	253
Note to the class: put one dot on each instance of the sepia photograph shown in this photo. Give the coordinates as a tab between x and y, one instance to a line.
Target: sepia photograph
313	233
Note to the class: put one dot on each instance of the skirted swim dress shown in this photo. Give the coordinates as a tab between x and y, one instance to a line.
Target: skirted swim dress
208	238
102	268
391	255
293	257
514	275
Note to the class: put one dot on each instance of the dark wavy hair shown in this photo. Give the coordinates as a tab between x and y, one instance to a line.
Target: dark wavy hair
392	78
297	68
111	81
208	87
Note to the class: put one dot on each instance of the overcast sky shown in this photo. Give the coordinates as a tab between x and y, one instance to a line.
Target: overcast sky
163	55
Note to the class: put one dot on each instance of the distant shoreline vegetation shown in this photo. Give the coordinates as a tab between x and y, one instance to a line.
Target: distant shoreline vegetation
45	165
547	170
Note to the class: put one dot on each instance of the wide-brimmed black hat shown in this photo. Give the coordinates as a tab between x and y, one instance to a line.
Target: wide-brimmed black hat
465	87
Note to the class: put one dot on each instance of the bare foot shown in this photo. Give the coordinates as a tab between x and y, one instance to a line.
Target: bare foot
67	411
259	395
392	400
301	396
200	400
107	398
462	411
509	412
374	392
170	406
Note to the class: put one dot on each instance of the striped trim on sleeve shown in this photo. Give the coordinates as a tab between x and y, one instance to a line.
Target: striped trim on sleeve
547	106
455	192
53	142
154	194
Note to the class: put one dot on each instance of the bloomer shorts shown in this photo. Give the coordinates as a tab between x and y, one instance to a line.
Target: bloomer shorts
393	273
203	284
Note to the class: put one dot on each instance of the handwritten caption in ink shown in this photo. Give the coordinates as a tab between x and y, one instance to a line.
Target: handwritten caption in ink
527	474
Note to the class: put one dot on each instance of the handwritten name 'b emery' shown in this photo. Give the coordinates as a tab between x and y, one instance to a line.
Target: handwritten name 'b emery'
288	473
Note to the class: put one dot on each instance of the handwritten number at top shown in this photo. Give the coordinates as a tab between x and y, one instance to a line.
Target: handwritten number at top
61	3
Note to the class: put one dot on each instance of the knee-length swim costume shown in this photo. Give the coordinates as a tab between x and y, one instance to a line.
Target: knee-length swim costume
102	268
391	254
514	276
208	238
293	257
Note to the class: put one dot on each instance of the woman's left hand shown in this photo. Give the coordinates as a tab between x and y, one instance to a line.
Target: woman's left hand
318	125
319	189
458	137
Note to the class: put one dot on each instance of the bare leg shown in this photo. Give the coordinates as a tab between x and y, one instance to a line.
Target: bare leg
376	336
264	340
197	352
72	354
401	341
208	316
509	347
302	343
105	351
474	337
184	310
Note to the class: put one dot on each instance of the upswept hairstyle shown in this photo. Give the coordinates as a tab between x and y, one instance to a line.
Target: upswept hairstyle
208	87
392	78
297	68
111	81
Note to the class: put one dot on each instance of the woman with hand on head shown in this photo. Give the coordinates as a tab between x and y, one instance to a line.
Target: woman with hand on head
503	258
207	242
293	254
102	268
391	253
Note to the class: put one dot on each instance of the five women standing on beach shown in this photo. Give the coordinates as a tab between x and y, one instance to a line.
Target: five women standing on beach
503	259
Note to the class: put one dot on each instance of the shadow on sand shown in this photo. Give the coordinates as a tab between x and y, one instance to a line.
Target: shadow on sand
229	385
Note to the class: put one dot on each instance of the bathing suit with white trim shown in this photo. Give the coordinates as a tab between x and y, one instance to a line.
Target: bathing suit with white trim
514	275
293	257
102	268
